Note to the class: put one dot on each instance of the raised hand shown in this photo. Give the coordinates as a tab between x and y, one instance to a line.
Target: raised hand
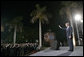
60	26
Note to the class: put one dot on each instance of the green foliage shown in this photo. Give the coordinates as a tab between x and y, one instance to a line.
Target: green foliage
68	6
17	21
39	13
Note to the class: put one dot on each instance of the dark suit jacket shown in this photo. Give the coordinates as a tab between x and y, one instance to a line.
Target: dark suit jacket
68	31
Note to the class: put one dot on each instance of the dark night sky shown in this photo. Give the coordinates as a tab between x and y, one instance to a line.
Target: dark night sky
15	8
12	9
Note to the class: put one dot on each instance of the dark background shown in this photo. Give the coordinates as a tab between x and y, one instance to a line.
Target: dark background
12	9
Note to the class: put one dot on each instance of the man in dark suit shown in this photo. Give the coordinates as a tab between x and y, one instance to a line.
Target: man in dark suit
68	35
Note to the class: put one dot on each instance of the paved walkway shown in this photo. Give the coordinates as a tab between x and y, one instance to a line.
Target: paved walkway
78	51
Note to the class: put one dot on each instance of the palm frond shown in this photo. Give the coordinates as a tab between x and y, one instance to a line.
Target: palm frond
33	13
39	13
34	19
67	7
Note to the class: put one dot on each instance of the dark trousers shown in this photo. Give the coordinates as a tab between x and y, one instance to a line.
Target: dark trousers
70	43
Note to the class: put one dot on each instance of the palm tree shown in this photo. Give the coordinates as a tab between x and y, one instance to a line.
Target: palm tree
16	24
68	6
2	28
39	13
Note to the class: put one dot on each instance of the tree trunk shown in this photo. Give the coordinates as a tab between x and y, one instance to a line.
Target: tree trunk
74	43
77	33
40	40
70	18
15	35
